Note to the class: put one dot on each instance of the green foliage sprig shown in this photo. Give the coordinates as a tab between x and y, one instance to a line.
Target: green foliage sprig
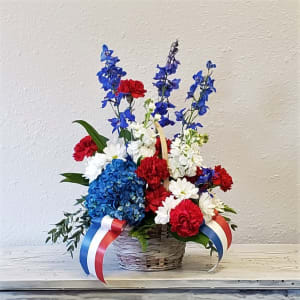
141	232
230	210
70	229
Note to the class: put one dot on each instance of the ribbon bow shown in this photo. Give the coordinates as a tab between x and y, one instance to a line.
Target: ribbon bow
100	235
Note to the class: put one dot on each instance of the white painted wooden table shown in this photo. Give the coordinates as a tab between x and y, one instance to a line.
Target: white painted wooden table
271	271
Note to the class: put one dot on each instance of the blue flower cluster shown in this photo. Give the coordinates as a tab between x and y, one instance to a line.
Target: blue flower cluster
110	76
117	192
180	116
206	84
206	176
165	86
121	122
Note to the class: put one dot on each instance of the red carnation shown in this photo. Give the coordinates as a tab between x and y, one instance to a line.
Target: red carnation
154	198
86	147
133	87
222	179
186	218
158	146
193	179
153	170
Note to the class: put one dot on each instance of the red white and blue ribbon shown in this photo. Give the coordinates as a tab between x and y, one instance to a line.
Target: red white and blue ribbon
100	235
218	231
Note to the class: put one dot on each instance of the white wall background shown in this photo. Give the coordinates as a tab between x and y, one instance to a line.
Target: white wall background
49	60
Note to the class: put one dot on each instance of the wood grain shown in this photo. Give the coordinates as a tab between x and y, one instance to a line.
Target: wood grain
262	267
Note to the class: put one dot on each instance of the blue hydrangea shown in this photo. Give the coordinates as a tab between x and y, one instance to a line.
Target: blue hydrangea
117	192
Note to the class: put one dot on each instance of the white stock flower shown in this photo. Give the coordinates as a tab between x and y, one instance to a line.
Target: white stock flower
157	117
184	158
163	212
136	150
151	106
146	135
144	146
183	189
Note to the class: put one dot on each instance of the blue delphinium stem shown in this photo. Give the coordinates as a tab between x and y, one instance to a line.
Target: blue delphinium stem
165	86
110	76
198	104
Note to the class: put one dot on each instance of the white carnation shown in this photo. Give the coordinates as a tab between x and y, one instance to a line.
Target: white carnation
163	212
115	151
97	163
133	150
95	166
208	203
207	206
183	189
219	205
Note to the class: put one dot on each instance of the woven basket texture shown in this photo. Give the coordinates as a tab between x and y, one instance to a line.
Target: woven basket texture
164	252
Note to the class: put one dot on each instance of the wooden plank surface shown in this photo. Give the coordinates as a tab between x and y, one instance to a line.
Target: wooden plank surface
251	266
153	295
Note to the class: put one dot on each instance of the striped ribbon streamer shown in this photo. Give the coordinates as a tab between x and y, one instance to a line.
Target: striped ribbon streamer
100	235
218	231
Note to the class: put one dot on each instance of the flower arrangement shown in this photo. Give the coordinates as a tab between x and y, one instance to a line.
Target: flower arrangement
140	179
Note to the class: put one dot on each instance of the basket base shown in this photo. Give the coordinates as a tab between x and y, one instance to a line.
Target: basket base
164	252
149	268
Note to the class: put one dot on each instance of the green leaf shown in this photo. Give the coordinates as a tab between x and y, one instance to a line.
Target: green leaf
139	160
233	227
75	178
99	140
48	239
229	209
200	238
141	233
126	134
80	201
141	236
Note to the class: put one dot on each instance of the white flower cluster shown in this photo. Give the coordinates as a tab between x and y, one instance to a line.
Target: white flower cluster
163	212
208	203
98	162
185	155
144	143
181	189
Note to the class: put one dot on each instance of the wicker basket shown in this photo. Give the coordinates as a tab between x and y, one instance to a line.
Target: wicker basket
163	252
